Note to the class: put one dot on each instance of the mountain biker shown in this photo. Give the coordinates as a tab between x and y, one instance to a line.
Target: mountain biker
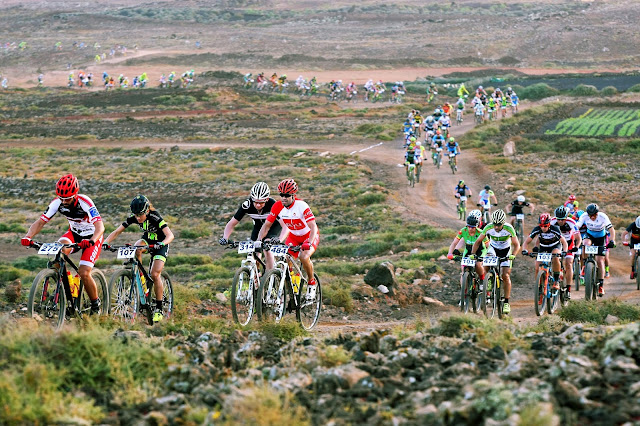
478	215
460	107
464	240
480	91
550	240
485	197
157	236
631	236
453	148
409	157
296	215
597	224
257	207
429	124
517	207
438	141
572	204
571	234
514	101
502	243
479	109
491	107
461	190
462	90
85	229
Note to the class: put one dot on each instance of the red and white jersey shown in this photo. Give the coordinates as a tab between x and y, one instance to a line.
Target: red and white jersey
569	229
81	216
295	217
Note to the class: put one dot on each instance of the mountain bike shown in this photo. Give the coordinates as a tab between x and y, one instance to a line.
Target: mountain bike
635	268
514	108
54	295
479	117
591	271
544	296
130	287
493	293
486	211
411	173
452	163
576	268
246	282
461	208
418	168
459	117
288	280
519	227
470	287
437	157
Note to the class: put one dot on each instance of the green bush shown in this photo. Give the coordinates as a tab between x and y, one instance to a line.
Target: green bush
174	100
370	198
287	329
609	91
635	88
595	313
584	90
537	91
12	227
31	263
338	294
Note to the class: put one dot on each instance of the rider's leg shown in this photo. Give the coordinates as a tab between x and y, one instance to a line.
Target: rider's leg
156	275
568	270
506	280
305	259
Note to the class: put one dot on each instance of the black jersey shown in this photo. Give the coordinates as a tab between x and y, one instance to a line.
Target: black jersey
462	190
152	226
634	231
549	238
517	208
247	208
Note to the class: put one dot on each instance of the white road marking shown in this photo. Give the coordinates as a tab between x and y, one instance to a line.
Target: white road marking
367	148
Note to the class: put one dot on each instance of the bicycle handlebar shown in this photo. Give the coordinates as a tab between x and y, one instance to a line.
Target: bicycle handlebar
38	244
536	253
116	248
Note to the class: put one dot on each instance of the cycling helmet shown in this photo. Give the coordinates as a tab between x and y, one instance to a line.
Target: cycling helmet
430	118
472	221
487	187
521	199
461	183
67	186
579	213
572	197
592	209
561	212
476	213
638	222
509	89
288	186
452	139
480	87
544	219
438	132
140	204
498	217
412	138
418	143
259	191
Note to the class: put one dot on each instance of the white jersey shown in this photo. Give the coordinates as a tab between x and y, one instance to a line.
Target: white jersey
296	217
596	228
81	216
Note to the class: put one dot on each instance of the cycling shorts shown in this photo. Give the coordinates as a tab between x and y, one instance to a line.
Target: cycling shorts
492	251
160	254
550	249
297	240
596	241
89	255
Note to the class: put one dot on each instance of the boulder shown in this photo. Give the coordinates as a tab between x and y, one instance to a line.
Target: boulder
509	149
13	291
431	301
382	274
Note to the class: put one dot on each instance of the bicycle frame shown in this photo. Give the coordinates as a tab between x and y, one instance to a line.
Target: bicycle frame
591	270
545	296
63	278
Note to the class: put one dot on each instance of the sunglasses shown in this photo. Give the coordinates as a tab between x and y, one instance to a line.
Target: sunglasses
63	199
140	214
286	195
471	227
259	201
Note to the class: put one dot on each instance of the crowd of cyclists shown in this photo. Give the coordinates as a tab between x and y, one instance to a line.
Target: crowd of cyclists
84	79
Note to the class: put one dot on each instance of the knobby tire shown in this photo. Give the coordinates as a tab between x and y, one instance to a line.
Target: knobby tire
242	301
42	304
124	296
539	295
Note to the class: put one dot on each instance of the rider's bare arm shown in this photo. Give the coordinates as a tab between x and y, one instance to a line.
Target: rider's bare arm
229	227
112	236
35	228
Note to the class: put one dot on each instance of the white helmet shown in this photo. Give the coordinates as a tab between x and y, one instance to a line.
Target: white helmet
521	198
418	143
498	217
260	191
479	87
430	118
638	222
475	213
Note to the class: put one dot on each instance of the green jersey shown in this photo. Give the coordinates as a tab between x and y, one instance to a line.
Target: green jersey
499	239
468	239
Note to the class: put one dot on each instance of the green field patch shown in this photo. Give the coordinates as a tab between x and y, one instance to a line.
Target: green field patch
609	122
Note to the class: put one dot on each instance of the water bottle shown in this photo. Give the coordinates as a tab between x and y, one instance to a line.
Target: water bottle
74	283
295	280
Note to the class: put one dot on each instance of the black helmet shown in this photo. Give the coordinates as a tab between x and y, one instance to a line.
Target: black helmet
561	212
139	204
487	187
592	209
472	220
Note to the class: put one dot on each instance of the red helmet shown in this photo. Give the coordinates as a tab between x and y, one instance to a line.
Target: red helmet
572	197
288	186
67	186
544	219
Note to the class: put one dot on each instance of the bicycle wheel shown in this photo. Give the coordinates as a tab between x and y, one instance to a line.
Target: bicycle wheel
271	296
463	210
418	171
308	311
167	296
84	306
124	296
411	176
519	231
499	295
242	296
47	301
590	285
438	157
539	294
552	302
490	304
452	164
464	292
576	272
637	274
564	302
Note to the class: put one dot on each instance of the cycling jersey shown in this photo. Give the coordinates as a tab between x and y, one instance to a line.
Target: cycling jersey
438	140
468	239
295	217
247	208
486	195
454	149
460	104
549	238
501	239
410	157
572	206
462	190
152	226
569	230
81	216
634	232
517	208
596	228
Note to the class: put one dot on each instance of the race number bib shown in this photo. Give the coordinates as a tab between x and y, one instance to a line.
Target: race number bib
636	247
520	216
463	198
126	253
50	249
579	252
544	257
591	249
245	247
279	250
490	261
468	262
